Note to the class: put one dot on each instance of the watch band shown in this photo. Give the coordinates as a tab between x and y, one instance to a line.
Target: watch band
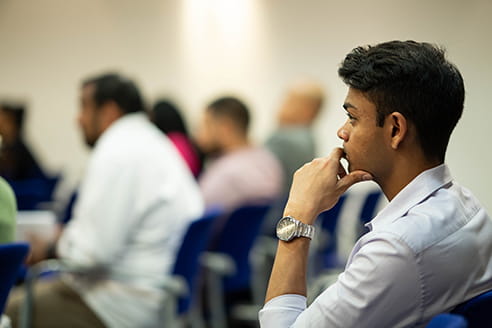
297	229
305	230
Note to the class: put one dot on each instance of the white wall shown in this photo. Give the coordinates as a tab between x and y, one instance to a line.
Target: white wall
195	50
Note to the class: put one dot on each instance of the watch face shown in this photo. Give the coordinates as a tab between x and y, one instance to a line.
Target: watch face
286	229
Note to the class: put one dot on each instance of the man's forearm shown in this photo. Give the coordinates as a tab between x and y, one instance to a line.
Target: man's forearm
316	187
289	270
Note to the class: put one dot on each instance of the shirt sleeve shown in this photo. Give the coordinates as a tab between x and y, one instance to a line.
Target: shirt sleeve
282	311
379	288
106	213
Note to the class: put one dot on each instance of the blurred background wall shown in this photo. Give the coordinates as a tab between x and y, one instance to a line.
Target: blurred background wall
194	50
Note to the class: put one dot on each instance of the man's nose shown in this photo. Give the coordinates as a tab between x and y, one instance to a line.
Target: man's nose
343	133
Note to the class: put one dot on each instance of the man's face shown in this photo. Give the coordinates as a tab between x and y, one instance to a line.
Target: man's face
208	134
288	109
363	141
8	130
89	116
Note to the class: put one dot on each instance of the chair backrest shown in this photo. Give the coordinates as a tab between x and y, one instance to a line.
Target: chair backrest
477	311
329	221
369	207
446	320
236	239
12	257
187	263
31	192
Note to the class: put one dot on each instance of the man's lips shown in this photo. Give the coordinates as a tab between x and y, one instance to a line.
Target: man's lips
344	155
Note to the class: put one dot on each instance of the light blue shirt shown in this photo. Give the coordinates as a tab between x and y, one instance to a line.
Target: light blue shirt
427	251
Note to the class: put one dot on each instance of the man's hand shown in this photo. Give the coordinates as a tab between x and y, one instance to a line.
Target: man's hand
38	249
41	248
318	185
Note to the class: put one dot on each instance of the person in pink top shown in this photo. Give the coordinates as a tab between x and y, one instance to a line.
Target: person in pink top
238	173
168	119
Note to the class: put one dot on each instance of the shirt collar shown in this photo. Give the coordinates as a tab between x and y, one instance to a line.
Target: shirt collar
122	123
421	187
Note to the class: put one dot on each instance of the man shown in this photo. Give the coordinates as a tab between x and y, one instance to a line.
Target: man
17	162
134	205
431	247
241	173
293	142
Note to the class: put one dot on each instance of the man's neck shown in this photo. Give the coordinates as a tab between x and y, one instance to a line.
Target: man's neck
402	174
234	144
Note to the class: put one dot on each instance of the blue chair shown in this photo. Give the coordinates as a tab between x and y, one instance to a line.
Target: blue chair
446	320
12	257
368	210
228	262
328	223
477	311
326	255
187	263
32	193
67	212
181	284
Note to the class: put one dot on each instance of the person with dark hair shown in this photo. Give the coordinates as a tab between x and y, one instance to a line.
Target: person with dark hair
240	173
430	248
132	209
168	119
17	162
109	89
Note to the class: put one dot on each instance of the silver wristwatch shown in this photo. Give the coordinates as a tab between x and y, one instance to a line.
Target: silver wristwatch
289	228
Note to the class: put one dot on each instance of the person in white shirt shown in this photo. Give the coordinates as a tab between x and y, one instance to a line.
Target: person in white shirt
135	203
430	249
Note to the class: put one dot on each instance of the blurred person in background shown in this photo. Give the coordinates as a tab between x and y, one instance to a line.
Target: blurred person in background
238	173
8	212
17	162
293	141
134	205
33	188
167	117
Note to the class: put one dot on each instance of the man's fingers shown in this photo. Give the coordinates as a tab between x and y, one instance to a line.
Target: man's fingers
341	171
337	153
352	178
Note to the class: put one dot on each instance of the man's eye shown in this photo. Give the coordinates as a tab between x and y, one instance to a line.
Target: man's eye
350	116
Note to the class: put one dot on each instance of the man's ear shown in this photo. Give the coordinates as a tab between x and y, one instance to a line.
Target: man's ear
110	112
226	126
398	125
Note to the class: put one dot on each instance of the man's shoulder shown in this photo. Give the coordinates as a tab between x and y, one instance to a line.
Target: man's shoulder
444	215
244	157
290	136
132	136
245	166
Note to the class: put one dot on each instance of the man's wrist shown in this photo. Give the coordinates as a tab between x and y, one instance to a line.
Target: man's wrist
300	213
51	251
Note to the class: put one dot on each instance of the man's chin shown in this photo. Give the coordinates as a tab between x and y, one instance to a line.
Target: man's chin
351	167
90	143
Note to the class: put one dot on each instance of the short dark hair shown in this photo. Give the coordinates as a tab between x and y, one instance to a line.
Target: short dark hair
114	87
166	116
414	79
232	108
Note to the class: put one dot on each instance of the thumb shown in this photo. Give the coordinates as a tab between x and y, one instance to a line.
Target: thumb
352	178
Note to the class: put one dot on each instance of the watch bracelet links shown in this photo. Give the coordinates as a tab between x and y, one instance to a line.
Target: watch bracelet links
305	230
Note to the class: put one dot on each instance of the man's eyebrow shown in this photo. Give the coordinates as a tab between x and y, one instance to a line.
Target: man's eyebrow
348	105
